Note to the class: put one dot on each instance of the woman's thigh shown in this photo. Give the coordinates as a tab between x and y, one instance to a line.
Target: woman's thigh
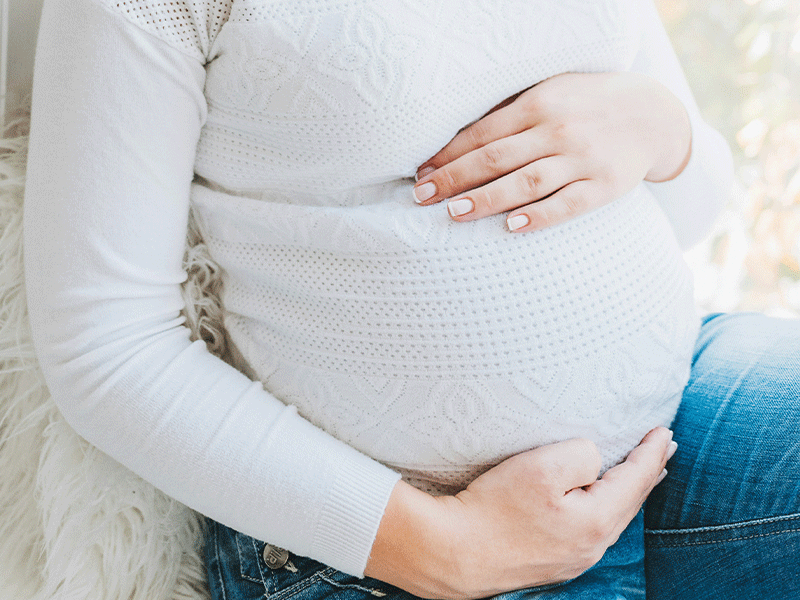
725	523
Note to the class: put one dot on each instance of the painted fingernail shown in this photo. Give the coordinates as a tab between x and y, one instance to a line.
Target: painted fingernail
673	446
423	192
517	222
661	477
424	172
459	207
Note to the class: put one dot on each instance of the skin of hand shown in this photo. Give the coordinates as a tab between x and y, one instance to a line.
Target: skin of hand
564	147
539	517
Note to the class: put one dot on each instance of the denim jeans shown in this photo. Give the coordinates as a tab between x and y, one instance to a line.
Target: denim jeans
237	571
725	523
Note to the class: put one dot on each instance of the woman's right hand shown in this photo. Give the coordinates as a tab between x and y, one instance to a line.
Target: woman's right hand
539	517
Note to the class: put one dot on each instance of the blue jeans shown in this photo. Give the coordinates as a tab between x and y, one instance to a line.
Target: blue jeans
237	571
725	523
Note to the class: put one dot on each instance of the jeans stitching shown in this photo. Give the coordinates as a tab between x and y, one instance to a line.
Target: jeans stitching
265	581
722	540
726	527
372	591
219	562
243	562
301	585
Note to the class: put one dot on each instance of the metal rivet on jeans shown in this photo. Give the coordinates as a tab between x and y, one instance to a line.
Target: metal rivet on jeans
275	557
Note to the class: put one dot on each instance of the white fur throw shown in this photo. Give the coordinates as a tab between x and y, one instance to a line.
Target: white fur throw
74	524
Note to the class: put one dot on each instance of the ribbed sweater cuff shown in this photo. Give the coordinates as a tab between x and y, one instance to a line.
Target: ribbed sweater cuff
351	514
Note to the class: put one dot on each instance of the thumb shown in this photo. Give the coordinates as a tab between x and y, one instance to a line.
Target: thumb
628	484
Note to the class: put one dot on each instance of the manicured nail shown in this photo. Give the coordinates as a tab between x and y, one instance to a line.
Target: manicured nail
673	446
423	192
459	207
661	477
517	222
424	172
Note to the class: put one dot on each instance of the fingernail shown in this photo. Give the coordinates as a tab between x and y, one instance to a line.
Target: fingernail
423	192
517	222
461	206
673	446
424	172
661	477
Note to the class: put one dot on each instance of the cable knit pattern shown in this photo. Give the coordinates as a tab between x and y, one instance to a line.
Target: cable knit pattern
319	97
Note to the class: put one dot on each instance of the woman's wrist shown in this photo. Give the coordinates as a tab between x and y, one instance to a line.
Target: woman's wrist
673	136
415	548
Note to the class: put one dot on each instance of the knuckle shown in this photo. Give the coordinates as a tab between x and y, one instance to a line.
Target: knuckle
544	474
486	201
605	172
534	100
529	182
445	181
560	132
595	536
574	204
553	506
544	216
476	133
595	529
594	557
493	157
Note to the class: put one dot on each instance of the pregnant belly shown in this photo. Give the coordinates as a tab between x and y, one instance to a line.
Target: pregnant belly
441	348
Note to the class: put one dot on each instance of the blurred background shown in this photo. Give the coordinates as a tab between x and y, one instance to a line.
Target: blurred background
742	58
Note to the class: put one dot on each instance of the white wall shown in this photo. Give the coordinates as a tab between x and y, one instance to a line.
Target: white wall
23	24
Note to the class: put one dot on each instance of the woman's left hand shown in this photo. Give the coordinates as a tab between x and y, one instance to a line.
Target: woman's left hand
562	148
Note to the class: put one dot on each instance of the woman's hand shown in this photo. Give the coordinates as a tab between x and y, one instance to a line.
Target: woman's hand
539	517
562	148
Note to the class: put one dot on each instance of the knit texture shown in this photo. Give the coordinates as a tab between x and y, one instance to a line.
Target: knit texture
369	335
440	348
187	25
437	348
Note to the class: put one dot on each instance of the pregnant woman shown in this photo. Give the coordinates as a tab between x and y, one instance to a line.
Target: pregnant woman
407	388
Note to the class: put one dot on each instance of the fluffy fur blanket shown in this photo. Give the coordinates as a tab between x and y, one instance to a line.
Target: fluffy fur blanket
74	524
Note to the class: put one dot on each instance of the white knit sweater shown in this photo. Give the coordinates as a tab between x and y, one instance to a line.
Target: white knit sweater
409	343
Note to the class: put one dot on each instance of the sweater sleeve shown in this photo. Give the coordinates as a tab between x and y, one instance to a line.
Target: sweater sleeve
694	198
117	113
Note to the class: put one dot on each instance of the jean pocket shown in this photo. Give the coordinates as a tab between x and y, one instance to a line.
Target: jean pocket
285	575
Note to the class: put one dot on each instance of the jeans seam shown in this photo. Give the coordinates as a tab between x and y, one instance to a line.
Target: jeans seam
243	562
721	529
219	562
258	548
726	527
372	591
301	585
736	539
